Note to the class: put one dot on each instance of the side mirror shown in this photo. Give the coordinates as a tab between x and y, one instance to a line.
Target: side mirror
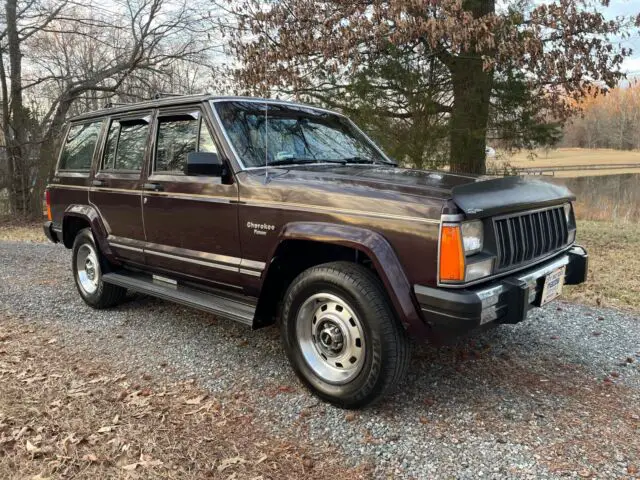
204	163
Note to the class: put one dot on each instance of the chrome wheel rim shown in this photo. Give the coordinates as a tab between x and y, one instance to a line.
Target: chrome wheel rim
331	338
88	268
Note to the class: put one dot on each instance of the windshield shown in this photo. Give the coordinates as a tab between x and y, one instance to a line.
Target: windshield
286	134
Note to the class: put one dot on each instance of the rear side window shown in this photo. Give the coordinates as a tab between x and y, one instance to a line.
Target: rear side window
78	148
177	136
126	144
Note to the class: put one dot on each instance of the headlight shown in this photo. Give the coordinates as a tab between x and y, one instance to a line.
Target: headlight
567	212
472	237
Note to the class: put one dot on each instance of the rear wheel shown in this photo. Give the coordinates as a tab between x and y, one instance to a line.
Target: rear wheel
88	265
341	336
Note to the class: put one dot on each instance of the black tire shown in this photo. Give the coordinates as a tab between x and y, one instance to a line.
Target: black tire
386	349
94	291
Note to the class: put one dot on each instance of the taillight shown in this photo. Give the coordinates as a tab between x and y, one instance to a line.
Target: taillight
451	254
47	199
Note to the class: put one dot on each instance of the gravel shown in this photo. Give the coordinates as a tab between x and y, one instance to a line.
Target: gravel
555	396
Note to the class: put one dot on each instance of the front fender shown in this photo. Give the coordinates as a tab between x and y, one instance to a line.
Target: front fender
92	217
382	255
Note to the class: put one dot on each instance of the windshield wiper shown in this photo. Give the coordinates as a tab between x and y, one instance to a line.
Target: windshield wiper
293	161
367	160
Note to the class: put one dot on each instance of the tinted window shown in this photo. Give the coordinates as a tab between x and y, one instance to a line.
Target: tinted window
78	148
126	143
206	140
177	136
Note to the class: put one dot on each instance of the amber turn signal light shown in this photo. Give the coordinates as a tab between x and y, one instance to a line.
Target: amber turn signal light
47	200
451	254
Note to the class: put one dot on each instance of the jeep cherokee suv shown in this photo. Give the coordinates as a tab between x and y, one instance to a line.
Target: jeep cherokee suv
264	211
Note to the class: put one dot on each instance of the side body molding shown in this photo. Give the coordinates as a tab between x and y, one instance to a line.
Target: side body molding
91	215
379	251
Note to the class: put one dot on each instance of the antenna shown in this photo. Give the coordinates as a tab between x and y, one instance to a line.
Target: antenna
266	110
266	142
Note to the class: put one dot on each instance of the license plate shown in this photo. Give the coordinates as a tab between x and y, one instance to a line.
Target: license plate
552	286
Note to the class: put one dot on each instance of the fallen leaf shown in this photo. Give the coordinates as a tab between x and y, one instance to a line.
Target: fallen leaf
105	429
31	448
197	400
228	462
116	419
146	461
131	466
350	417
90	457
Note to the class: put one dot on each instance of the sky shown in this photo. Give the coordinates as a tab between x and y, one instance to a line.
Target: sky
627	7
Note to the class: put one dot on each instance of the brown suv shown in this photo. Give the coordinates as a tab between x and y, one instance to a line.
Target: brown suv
264	211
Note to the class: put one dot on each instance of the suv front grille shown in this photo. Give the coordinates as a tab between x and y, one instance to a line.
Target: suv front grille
524	237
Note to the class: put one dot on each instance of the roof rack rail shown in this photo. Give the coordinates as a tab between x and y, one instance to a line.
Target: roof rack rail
159	95
113	104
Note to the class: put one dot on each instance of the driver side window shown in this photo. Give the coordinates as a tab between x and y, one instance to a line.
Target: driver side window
178	136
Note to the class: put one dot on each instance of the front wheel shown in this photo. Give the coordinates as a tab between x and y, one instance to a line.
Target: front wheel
341	335
88	265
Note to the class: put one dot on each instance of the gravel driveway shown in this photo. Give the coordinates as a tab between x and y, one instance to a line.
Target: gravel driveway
555	396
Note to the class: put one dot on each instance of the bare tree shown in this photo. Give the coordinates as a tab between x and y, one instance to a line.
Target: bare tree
79	53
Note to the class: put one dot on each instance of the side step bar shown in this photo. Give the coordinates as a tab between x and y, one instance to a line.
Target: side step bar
191	297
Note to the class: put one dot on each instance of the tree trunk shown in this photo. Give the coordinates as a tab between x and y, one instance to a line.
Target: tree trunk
472	86
17	122
469	115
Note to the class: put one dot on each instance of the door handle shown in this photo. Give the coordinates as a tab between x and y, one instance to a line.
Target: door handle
98	183
154	187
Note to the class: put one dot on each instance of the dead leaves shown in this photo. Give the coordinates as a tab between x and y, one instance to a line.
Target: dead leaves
228	462
144	462
197	400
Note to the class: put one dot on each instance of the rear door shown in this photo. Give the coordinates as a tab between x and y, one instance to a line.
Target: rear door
116	189
71	182
191	222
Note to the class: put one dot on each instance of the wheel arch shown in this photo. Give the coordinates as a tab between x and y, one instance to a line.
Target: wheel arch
323	242
75	218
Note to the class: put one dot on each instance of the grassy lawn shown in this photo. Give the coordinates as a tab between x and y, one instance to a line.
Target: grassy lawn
614	265
21	232
574	156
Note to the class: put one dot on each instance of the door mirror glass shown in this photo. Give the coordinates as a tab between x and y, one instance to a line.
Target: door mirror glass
204	163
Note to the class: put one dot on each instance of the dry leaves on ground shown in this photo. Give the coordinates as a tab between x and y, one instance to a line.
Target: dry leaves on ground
64	415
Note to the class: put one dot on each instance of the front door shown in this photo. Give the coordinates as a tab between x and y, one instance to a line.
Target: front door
191	222
116	188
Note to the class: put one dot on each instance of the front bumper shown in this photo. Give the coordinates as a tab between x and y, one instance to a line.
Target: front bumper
507	300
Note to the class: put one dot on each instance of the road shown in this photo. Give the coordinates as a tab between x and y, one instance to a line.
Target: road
556	395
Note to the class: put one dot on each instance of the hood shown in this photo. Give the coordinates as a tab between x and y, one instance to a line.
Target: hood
380	178
415	192
507	194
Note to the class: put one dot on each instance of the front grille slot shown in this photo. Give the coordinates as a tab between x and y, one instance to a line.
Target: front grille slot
524	237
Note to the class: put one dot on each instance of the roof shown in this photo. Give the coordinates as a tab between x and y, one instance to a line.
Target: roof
169	100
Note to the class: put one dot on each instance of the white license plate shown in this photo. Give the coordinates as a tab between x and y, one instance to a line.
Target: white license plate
552	285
